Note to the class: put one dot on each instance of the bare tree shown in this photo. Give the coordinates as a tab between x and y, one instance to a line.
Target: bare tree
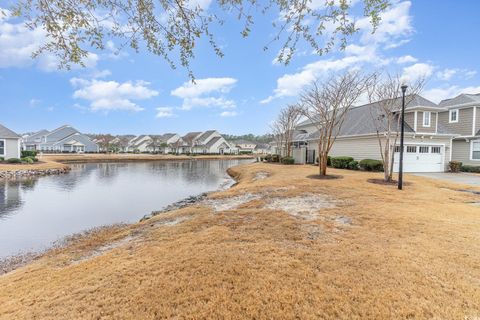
326	105
385	94
173	28
284	127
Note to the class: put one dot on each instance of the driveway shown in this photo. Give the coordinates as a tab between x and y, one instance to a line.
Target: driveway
463	178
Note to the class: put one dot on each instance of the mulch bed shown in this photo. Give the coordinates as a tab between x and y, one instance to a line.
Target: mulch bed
387	183
327	177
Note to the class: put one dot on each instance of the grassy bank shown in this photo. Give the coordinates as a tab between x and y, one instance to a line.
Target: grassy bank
277	245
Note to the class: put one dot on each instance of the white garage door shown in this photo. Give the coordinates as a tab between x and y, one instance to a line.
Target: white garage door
421	158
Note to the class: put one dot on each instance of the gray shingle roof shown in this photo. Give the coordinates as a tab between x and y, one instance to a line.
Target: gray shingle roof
464	98
213	141
204	136
412	102
7	133
188	138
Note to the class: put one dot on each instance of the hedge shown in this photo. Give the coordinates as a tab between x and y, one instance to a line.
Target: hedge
29	153
353	165
454	166
288	160
371	165
467	168
27	160
14	160
341	162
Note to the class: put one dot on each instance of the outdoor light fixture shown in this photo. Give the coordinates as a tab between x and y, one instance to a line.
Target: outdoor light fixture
400	164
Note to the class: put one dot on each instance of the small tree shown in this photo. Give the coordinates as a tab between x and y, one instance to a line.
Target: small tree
284	127
326	105
385	93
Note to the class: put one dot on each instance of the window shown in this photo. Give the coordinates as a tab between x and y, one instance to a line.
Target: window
453	116
426	118
423	149
2	147
476	150
436	149
412	149
397	149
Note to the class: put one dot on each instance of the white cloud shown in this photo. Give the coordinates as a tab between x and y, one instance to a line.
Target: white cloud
17	44
394	27
442	93
228	114
34	102
165	112
111	95
101	73
208	92
446	74
417	71
395	24
406	59
204	86
291	84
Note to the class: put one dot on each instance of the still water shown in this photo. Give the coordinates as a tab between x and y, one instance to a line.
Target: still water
36	212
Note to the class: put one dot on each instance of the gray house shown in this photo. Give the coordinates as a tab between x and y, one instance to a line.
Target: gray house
462	116
9	143
63	139
428	138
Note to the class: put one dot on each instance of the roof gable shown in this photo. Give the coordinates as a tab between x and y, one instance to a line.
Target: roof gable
7	133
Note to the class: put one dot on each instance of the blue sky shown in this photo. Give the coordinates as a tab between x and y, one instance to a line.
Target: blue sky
132	93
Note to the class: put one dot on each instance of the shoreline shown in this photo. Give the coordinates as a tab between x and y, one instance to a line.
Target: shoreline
21	259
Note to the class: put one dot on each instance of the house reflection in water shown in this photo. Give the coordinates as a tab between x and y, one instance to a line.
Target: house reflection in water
11	195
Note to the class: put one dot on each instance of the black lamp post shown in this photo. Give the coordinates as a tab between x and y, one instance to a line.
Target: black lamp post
402	134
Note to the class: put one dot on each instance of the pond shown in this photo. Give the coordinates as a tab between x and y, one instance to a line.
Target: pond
36	212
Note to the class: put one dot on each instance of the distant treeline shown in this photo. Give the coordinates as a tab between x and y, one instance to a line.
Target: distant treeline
266	138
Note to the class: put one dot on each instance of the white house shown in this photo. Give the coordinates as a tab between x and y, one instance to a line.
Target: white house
9	143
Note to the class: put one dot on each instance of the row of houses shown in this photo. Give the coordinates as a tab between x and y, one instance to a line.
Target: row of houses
207	142
435	134
68	139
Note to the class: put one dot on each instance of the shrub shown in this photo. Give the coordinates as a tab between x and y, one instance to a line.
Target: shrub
329	161
29	153
27	160
340	162
371	165
275	158
14	160
353	165
454	166
474	169
288	160
2	159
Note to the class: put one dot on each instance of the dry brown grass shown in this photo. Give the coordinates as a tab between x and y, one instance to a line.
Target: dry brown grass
44	164
410	254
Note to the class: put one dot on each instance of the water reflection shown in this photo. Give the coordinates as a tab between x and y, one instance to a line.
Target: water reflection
35	212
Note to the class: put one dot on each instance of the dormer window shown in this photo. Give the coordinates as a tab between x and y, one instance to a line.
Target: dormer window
453	116
427	115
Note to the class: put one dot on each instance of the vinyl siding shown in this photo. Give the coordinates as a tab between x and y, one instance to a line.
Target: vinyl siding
11	148
463	126
410	119
461	152
421	128
368	147
477	123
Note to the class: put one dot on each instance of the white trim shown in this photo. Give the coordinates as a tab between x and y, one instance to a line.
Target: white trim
415	121
474	120
451	149
450	115
471	149
4	147
429	119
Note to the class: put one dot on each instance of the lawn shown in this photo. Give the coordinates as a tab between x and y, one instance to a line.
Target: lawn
278	245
